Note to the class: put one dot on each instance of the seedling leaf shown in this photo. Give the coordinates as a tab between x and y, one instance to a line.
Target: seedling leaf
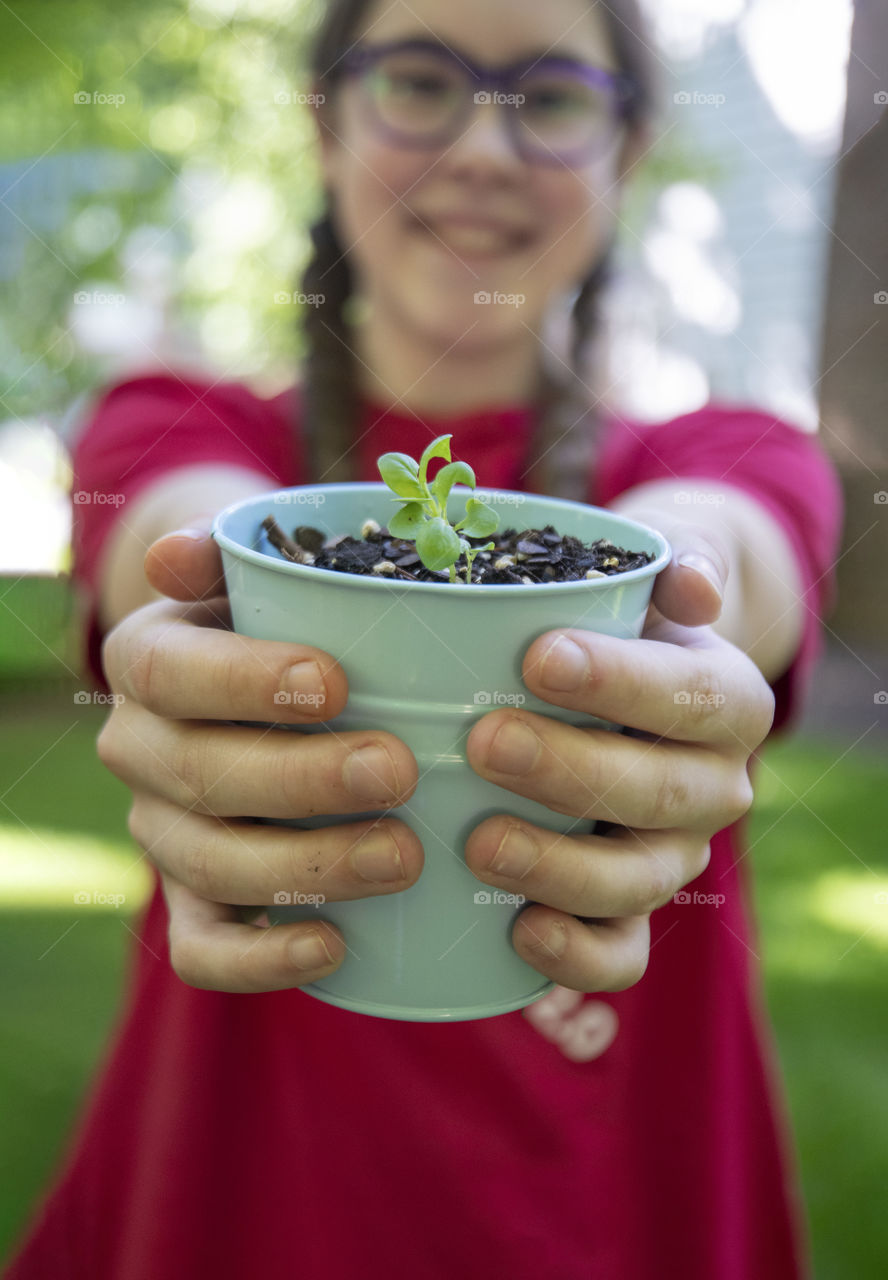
480	520
436	544
449	475
404	523
439	448
400	477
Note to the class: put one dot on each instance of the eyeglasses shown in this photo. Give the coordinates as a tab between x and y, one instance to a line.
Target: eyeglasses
559	111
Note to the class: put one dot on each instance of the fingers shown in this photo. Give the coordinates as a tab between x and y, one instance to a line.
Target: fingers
691	589
609	955
250	864
707	691
178	662
598	774
186	564
212	950
232	770
625	873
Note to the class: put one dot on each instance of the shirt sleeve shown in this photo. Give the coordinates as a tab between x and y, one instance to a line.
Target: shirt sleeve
782	467
143	428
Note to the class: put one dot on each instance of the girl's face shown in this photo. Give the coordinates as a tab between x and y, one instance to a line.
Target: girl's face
428	229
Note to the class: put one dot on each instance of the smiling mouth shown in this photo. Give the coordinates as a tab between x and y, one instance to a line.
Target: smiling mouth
473	241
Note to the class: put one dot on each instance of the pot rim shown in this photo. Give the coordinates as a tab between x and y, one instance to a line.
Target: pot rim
366	582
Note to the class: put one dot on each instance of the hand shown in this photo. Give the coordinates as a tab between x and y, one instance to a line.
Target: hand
679	777
184	676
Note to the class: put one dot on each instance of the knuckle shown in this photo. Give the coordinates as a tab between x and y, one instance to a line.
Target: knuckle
762	715
701	860
584	785
231	677
191	770
741	797
185	960
296	778
141	674
631	970
107	746
114	651
669	799
588	888
638	966
656	887
708	696
137	824
200	863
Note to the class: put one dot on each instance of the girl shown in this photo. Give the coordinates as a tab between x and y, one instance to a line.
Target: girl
474	147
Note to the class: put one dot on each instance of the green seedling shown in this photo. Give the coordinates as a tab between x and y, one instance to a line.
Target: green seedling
422	518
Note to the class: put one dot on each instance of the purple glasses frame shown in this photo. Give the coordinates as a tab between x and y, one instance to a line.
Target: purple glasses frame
506	79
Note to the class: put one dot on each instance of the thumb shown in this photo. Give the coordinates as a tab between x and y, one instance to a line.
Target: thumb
186	564
691	589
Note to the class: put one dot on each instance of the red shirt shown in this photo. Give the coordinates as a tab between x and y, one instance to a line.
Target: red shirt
228	1134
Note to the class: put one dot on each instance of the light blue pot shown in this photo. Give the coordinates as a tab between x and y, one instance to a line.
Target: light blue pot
424	661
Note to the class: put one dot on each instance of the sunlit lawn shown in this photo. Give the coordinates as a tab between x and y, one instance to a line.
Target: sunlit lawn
818	834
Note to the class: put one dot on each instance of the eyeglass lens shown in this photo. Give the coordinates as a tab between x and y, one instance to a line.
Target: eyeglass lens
423	96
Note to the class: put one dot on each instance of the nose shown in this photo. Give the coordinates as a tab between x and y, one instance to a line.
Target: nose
486	139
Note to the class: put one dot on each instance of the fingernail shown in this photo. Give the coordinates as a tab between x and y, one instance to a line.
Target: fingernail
702	564
554	943
564	666
304	678
516	854
370	774
514	748
309	951
377	858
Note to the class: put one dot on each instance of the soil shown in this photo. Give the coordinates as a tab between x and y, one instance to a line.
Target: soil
528	556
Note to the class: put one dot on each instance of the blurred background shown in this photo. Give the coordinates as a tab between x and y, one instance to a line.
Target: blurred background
156	181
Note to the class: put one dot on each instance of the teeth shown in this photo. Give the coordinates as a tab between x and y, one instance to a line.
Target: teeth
475	240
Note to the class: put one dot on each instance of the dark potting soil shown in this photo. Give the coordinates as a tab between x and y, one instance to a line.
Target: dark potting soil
529	556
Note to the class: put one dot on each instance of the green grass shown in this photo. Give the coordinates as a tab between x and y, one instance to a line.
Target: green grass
819	864
821	891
